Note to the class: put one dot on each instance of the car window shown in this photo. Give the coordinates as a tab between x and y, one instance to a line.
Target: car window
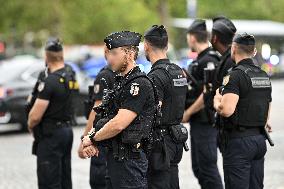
10	72
35	74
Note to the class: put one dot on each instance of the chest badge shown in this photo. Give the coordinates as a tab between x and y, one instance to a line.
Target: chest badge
134	90
40	86
226	80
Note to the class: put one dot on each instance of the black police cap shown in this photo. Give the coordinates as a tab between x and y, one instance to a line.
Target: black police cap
244	39
198	25
223	25
123	38
53	44
156	31
219	18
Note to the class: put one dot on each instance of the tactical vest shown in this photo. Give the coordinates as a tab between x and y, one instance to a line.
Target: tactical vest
67	77
175	94
252	109
108	83
141	127
205	115
197	87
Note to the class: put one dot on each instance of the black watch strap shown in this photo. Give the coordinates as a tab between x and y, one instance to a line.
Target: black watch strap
91	136
82	137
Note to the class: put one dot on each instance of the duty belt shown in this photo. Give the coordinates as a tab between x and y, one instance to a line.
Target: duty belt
126	151
49	126
243	132
226	134
57	124
163	130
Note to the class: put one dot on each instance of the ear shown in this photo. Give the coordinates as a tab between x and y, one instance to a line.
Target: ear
213	39
255	52
146	46
233	49
106	50
167	47
192	39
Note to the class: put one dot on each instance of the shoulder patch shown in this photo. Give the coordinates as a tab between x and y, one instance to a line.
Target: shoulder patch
96	88
226	80
40	86
134	89
180	82
260	82
210	65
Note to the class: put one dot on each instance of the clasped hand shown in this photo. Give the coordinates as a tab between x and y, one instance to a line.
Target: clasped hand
89	149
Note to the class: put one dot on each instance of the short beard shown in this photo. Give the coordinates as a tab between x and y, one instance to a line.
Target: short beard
123	66
233	57
192	49
214	46
147	57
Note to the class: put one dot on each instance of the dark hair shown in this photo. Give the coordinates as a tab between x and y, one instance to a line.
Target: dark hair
225	39
54	56
245	49
157	42
133	49
200	36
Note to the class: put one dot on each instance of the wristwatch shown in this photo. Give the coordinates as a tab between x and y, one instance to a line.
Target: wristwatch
91	137
82	137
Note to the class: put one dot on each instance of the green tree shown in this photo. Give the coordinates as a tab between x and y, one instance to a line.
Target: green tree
87	21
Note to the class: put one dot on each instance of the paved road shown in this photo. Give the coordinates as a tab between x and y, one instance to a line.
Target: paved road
18	166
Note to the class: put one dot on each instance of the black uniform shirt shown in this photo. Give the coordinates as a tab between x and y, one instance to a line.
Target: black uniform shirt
55	90
203	59
137	95
226	63
42	75
237	82
100	85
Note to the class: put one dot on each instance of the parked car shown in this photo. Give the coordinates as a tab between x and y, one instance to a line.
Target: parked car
17	78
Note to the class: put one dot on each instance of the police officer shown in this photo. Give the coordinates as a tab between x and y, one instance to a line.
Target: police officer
203	135
33	96
223	31
51	115
104	79
243	103
135	107
171	85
